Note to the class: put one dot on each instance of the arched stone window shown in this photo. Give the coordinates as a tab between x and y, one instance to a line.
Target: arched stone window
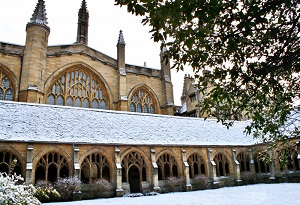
79	88
142	102
51	166
7	90
292	160
260	166
134	171
196	164
244	161
167	167
9	163
94	166
222	165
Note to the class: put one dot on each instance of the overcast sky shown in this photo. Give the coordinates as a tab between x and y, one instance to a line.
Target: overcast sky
105	22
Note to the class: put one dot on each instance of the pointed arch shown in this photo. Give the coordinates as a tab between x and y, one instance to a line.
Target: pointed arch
50	164
8	84
222	160
78	85
197	164
135	157
167	165
96	163
143	99
12	160
244	161
259	165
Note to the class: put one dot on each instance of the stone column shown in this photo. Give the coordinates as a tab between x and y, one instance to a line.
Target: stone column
252	166
186	171
156	187
76	161
237	172
213	168
119	191
271	166
76	169
29	179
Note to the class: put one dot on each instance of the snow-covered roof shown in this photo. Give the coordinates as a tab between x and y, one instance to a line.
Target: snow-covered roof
47	123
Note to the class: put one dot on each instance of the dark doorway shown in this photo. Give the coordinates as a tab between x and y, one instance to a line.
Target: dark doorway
134	179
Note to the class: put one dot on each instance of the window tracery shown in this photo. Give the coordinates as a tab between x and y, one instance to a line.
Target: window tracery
222	165
130	160
292	160
244	161
260	165
196	164
6	87
167	167
51	166
78	88
94	166
10	163
142	102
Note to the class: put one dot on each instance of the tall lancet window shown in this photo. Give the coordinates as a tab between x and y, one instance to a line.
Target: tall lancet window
142	102
6	87
78	88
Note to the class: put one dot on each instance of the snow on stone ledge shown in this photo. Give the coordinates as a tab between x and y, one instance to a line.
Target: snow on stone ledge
47	123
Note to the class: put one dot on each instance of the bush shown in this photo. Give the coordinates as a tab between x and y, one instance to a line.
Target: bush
248	177
201	181
100	186
66	187
14	191
173	182
45	192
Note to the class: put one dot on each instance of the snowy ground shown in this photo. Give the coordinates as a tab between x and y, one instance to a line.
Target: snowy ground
266	194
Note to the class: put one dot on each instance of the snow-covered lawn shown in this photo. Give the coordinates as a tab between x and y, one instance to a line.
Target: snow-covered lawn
265	194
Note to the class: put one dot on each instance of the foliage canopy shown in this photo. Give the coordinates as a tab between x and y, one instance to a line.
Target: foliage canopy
250	47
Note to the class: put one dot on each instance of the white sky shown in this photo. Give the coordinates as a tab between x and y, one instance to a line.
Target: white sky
105	22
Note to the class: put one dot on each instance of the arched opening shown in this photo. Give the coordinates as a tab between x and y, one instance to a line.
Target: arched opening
167	167
244	161
196	164
51	166
9	163
260	165
222	165
94	166
134	179
134	171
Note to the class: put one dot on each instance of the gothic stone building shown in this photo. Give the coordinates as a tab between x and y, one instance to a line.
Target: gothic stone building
72	111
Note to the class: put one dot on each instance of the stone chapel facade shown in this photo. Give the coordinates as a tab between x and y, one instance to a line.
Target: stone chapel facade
79	76
66	120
